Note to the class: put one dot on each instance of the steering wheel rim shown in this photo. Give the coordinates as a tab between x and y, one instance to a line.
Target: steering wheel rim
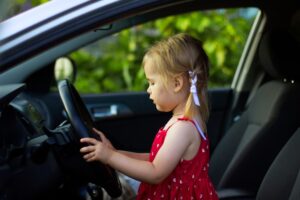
82	124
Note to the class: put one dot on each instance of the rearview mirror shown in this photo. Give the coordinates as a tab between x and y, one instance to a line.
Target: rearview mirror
64	68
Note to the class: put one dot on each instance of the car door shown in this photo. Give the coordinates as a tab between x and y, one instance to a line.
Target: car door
111	82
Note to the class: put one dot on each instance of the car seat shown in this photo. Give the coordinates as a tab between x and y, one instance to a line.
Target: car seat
243	156
282	181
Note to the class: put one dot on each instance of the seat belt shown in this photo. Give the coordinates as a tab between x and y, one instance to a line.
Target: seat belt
257	83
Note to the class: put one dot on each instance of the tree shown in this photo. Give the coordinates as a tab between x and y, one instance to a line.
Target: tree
114	63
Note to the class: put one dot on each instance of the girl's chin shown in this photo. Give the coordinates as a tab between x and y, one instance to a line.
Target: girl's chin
160	109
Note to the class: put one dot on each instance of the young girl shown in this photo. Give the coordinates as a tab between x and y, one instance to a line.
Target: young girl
177	166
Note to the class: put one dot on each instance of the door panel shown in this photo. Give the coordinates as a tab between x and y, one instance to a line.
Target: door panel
135	119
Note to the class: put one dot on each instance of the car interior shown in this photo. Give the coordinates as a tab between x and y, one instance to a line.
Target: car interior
254	127
251	144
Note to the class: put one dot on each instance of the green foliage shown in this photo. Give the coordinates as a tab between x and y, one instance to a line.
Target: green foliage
114	63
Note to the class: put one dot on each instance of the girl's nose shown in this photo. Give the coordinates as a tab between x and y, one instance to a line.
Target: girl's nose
148	90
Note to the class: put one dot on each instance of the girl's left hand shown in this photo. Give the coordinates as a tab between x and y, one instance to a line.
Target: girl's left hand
96	150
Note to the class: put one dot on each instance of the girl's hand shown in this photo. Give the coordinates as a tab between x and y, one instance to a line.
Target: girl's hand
105	141
96	150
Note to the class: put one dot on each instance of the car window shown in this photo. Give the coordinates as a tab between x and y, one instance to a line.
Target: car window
113	64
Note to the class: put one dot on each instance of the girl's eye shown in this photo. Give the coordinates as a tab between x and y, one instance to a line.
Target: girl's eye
151	83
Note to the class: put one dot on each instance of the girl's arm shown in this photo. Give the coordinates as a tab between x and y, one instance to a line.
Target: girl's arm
139	156
178	139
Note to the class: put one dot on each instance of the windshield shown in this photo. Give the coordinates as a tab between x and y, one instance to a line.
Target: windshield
10	8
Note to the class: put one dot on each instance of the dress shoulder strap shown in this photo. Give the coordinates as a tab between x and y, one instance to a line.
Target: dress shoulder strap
196	125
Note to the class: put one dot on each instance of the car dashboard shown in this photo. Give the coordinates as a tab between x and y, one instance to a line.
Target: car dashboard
23	152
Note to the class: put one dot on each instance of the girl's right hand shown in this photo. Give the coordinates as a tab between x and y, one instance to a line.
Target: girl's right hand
104	140
95	150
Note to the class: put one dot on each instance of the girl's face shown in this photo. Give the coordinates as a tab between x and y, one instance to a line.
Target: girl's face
160	93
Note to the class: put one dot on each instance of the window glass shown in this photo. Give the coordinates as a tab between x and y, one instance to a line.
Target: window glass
113	64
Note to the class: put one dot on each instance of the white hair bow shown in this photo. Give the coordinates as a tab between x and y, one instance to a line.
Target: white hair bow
193	88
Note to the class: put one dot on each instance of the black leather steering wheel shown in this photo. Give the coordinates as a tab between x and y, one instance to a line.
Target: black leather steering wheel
82	124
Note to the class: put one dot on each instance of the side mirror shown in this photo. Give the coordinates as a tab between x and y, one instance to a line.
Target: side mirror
64	68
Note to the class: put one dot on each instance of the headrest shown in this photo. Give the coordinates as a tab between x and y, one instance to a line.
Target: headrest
279	54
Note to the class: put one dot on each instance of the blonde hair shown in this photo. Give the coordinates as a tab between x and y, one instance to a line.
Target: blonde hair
179	54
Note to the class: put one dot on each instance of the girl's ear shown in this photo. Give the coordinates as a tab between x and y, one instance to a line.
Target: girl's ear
178	83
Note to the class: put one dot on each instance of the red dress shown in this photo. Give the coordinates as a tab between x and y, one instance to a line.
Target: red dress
189	180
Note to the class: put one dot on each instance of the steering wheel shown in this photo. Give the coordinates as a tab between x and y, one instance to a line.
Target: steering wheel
82	124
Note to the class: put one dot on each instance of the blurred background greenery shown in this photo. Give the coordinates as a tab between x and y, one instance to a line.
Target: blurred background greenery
113	64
